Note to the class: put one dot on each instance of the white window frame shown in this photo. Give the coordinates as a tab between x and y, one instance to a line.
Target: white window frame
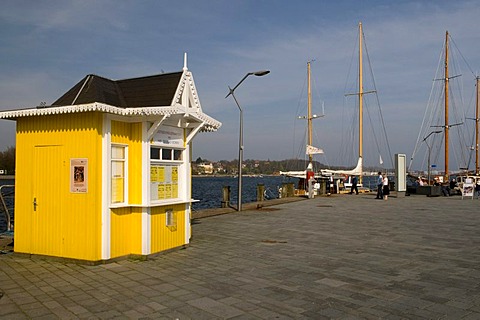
125	175
167	162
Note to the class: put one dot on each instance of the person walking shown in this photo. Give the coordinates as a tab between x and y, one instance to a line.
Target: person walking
354	185
379	186
386	188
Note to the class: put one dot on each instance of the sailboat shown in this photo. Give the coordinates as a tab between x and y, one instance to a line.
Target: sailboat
342	176
358	170
310	150
447	125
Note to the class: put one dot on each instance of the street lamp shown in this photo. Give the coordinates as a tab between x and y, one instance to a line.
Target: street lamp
425	139
240	140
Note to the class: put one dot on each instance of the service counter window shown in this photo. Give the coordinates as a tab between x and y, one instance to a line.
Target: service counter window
164	173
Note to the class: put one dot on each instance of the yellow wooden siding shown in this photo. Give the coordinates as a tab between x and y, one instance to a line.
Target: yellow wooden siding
65	224
162	236
126	228
126	223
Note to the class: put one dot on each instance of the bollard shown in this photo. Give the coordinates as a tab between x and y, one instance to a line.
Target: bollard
291	190
226	197
288	190
323	187
284	191
260	192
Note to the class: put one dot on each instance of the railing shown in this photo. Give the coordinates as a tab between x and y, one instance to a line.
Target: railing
7	195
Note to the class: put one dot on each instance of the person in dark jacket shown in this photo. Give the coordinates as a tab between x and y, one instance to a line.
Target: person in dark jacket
379	186
354	185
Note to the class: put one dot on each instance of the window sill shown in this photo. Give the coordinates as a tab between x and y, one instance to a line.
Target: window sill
154	204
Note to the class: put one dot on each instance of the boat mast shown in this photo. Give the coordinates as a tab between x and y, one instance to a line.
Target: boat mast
446	107
476	129
360	94
309	115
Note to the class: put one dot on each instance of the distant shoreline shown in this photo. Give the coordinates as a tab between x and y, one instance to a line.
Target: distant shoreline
12	177
233	176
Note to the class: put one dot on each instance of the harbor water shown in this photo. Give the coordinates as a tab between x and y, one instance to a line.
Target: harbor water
207	190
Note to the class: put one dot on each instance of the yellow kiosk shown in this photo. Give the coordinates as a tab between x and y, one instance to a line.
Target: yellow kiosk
104	172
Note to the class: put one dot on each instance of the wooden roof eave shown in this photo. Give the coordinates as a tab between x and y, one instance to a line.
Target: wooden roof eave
90	107
142	113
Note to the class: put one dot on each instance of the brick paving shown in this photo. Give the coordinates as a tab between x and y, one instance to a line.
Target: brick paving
338	257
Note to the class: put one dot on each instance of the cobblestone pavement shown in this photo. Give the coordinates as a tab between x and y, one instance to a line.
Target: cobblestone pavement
343	257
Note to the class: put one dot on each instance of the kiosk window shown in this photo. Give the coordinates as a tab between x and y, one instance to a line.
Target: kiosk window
118	165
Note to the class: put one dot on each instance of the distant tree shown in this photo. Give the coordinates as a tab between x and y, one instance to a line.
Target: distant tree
199	160
7	160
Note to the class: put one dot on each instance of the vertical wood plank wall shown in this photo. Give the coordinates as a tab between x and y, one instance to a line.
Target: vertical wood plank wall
61	217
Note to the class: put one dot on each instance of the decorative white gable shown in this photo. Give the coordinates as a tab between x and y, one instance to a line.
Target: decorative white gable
186	94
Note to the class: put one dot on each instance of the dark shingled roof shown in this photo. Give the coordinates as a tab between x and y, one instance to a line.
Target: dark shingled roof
150	91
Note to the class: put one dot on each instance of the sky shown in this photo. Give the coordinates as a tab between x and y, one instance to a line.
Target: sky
48	46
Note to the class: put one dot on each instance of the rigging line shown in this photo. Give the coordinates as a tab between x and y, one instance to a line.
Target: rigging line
348	135
322	112
352	59
438	150
459	116
465	60
472	130
372	126
460	135
301	151
423	129
316	91
378	104
353	135
344	131
324	155
297	113
472	150
429	111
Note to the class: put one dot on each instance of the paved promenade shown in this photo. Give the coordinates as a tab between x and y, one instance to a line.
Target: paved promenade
341	257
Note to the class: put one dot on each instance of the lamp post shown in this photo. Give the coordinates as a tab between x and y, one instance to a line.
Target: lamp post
425	139
240	140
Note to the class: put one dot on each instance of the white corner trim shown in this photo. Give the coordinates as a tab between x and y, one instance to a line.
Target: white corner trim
106	221
146	216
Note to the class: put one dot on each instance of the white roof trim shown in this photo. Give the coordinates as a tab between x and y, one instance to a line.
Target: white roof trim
210	123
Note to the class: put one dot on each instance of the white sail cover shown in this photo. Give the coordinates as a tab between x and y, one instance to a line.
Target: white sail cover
357	171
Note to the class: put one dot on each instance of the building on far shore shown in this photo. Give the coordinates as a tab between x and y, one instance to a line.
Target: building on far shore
104	172
207	168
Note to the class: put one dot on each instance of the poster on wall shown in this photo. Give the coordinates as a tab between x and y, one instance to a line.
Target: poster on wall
163	182
78	175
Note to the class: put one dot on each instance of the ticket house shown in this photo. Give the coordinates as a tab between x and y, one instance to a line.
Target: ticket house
104	172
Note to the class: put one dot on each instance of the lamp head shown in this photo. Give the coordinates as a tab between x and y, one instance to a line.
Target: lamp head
260	73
